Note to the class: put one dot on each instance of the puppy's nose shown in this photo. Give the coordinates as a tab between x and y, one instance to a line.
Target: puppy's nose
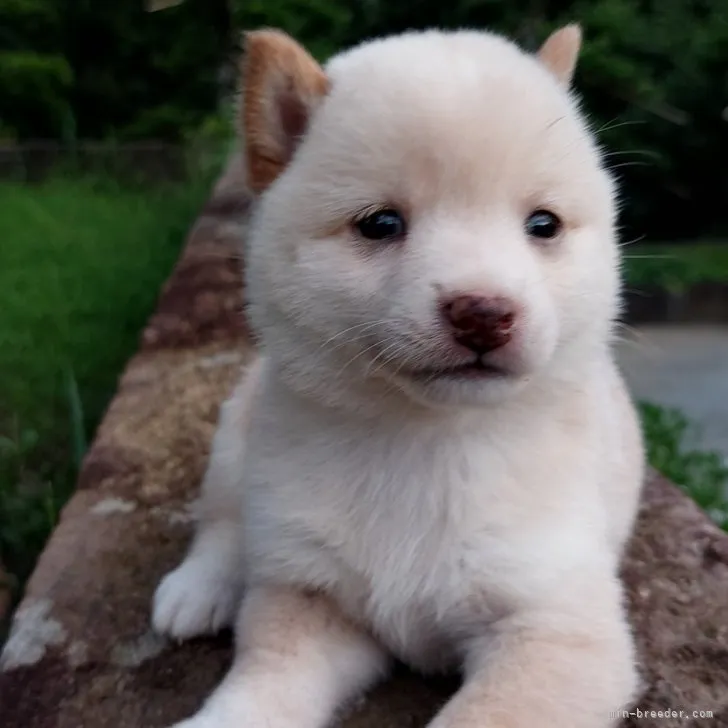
478	323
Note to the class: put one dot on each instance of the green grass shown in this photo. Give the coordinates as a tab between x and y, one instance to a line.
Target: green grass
81	265
675	267
703	475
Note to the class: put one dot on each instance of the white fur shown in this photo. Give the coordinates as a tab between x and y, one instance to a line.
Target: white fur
472	525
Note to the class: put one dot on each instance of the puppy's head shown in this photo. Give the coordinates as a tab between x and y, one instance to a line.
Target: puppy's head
432	214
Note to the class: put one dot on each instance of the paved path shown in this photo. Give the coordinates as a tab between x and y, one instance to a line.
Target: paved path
684	367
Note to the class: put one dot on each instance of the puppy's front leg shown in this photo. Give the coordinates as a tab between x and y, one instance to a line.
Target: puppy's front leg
297	660
202	595
549	669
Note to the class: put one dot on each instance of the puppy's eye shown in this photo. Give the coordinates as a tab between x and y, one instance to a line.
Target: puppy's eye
387	224
543	224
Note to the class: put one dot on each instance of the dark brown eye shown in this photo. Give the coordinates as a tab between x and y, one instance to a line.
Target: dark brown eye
543	224
387	224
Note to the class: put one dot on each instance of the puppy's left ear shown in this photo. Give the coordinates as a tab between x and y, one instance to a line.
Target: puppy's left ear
560	52
282	86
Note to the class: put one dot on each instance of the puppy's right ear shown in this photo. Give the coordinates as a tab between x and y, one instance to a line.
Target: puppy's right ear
282	85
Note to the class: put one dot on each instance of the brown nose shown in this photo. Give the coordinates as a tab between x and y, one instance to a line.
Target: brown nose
480	324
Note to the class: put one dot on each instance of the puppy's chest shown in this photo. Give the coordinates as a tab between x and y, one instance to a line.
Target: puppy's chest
423	583
404	573
411	546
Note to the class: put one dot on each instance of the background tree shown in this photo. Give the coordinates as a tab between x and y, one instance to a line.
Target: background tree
35	75
653	77
87	69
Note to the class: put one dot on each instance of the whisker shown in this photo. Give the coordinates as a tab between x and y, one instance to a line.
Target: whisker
401	366
396	345
614	124
656	256
635	338
360	354
632	242
629	164
363	327
623	152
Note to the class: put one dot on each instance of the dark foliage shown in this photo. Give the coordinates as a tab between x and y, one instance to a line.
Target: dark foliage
653	77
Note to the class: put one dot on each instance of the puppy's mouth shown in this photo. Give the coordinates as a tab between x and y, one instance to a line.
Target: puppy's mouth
474	370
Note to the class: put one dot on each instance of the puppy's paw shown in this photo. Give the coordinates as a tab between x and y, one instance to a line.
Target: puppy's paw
200	721
195	599
240	711
192	723
210	721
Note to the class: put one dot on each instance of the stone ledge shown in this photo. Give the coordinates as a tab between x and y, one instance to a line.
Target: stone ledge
81	654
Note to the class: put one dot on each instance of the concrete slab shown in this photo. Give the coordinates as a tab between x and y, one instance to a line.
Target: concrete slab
683	366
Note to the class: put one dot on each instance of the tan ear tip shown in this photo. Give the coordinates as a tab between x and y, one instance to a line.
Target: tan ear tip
573	32
264	36
247	38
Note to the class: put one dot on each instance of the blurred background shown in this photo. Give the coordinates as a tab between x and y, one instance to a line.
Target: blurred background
653	76
115	118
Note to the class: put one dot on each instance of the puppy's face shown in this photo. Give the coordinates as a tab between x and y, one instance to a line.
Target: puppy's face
433	213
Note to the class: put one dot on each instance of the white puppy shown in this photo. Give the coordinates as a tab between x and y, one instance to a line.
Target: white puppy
434	457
